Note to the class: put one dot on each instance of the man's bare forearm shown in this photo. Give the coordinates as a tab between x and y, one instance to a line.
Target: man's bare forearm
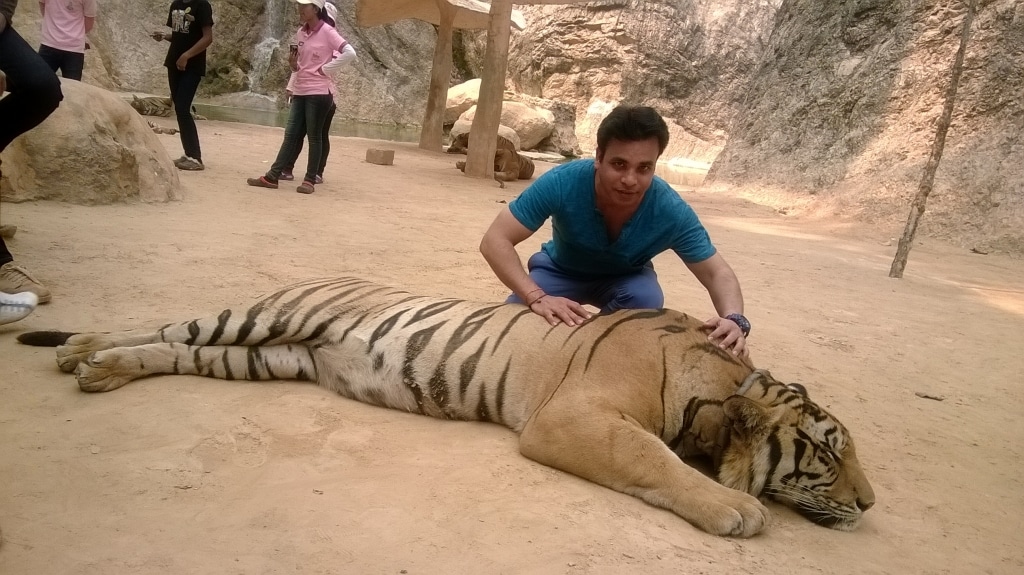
726	295
506	265
718	278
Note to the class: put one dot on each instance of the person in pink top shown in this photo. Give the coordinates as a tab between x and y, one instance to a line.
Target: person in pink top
316	49
62	40
348	54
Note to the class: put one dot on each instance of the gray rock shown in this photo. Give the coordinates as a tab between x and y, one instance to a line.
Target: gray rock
532	125
95	149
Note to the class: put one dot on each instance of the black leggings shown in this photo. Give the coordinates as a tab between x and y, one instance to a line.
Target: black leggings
34	95
34	88
70	64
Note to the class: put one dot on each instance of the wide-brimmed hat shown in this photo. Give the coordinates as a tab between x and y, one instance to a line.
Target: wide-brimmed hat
318	3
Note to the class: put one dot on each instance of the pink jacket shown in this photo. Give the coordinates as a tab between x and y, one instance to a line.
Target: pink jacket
316	48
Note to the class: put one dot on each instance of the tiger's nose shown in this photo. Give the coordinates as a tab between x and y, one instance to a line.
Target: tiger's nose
865	503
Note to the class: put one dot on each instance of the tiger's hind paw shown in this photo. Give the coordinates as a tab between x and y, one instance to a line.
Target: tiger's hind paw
77	349
103	371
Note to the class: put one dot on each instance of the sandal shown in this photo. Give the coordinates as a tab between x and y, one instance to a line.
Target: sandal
262	182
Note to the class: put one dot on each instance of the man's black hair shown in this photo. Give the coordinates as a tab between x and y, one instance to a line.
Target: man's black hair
632	124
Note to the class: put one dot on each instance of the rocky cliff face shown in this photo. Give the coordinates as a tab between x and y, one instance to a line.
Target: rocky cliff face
689	59
388	84
843	105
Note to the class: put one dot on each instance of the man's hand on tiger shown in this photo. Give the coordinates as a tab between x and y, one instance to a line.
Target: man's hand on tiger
558	310
727	335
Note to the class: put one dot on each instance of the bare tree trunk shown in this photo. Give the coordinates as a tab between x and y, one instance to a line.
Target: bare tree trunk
440	76
928	179
483	133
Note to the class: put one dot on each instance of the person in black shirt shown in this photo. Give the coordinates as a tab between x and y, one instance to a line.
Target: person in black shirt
191	24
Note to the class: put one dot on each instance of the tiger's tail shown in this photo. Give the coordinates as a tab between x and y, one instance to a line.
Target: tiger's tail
51	338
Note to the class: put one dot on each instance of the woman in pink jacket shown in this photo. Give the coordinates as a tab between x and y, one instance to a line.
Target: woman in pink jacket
317	48
347	55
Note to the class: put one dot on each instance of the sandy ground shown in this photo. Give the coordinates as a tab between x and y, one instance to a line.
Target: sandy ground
191	475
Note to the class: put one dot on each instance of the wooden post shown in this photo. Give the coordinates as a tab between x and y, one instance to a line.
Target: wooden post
938	145
440	76
483	134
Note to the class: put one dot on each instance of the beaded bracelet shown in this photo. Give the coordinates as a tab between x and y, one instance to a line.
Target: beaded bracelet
530	293
542	296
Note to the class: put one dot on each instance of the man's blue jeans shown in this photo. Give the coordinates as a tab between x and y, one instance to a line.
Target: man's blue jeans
634	291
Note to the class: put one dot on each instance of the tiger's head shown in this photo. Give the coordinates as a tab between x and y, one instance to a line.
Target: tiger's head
783	446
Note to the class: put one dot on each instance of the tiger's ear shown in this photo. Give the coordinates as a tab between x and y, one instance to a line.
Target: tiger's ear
746	414
799	388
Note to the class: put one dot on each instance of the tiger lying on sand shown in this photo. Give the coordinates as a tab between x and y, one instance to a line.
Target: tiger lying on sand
618	401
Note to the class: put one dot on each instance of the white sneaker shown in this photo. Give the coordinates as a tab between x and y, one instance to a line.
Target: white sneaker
16	306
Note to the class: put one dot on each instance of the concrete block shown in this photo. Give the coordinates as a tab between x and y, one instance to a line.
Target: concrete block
381	157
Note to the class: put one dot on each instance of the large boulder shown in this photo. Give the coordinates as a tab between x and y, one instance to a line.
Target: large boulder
532	124
95	149
531	114
563	135
461	98
462	127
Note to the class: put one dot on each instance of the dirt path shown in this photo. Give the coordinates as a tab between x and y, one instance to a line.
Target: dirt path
191	475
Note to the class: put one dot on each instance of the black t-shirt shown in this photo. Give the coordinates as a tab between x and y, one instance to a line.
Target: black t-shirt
186	19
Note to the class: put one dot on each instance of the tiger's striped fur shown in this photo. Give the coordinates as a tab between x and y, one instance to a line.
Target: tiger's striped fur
161	106
619	400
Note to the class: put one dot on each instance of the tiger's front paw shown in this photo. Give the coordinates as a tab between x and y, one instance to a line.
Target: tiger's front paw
104	371
78	347
732	513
